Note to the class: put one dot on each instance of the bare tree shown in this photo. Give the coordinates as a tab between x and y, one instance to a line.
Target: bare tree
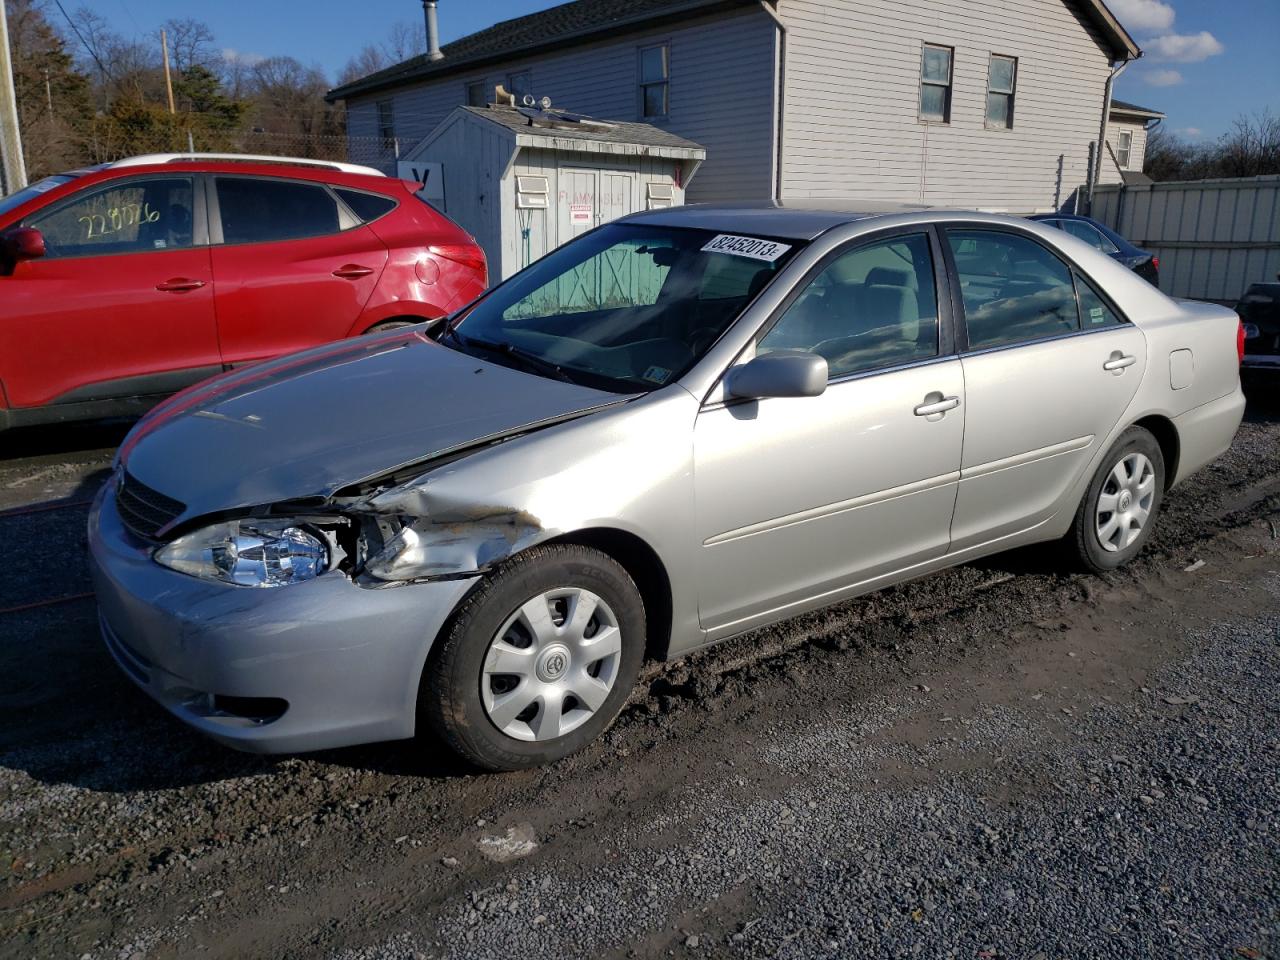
191	44
1252	148
405	40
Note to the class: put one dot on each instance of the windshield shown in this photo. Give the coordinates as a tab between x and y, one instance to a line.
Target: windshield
15	200
625	308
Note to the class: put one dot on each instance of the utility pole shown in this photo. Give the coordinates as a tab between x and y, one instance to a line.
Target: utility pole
168	83
13	169
48	92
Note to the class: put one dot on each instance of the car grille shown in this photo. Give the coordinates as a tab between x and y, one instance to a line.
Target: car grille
145	512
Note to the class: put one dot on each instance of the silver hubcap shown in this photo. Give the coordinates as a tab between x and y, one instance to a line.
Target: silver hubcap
551	665
1125	502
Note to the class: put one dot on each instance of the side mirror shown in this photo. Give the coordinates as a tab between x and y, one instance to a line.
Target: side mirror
22	243
783	373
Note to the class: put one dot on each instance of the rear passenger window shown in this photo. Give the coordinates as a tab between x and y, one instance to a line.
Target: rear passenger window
257	211
873	307
1014	289
1094	311
366	206
1090	235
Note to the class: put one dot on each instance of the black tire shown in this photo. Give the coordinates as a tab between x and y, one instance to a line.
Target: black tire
450	698
1083	541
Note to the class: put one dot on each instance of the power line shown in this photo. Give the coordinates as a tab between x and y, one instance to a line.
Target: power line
83	42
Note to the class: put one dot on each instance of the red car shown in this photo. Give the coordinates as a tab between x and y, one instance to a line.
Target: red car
126	282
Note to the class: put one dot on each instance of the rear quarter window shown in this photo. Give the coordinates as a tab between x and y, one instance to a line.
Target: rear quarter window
367	206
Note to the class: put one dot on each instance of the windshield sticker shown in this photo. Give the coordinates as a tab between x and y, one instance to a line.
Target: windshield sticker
765	250
657	374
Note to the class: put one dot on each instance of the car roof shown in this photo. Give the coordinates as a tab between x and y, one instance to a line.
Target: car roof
350	175
806	219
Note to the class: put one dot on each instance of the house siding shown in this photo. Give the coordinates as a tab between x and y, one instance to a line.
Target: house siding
722	94
1138	154
851	123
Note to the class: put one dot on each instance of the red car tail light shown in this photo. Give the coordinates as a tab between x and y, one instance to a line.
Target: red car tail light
1240	341
466	254
1155	262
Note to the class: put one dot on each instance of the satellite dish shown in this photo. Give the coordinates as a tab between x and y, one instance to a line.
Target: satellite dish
545	103
528	100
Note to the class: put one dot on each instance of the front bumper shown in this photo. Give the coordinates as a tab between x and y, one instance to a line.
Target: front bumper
343	660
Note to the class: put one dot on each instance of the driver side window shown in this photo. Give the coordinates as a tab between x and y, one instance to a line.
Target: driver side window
875	306
135	216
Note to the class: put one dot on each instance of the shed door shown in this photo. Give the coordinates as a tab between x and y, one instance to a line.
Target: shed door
617	190
579	205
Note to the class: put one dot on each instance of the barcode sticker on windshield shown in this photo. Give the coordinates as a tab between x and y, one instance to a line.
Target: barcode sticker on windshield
765	250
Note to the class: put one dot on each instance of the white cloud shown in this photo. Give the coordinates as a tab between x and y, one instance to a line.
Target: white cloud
1143	14
235	56
1185	47
1163	78
1195	133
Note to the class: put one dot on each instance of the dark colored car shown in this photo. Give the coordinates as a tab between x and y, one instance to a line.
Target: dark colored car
123	283
1259	311
1098	235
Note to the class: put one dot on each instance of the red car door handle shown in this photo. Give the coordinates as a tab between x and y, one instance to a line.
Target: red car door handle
352	271
179	285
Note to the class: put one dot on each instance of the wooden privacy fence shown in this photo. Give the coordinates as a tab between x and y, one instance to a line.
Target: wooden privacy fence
1213	237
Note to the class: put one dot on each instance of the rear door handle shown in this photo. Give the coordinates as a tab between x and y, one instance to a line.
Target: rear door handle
352	271
1118	362
179	285
933	407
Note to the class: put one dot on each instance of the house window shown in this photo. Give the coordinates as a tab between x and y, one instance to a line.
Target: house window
387	124
1126	149
655	77
1002	77
477	96
935	83
520	84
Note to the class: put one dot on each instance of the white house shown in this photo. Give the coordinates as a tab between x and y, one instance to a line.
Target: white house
1127	130
990	103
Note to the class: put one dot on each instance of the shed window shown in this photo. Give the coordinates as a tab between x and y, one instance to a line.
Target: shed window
1125	152
387	123
1001	80
520	84
477	96
655	77
935	83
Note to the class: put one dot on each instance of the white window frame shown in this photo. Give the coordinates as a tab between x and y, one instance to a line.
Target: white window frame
1011	93
1124	148
385	112
643	85
948	86
511	84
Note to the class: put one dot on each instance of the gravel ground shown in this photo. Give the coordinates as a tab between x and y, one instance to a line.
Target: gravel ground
999	761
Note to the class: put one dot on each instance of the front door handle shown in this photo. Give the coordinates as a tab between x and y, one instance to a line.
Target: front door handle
1118	362
352	271
934	407
179	285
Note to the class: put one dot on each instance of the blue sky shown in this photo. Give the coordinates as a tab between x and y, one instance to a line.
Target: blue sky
1207	60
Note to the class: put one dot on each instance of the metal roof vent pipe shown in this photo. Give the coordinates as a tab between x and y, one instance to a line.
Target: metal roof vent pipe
433	30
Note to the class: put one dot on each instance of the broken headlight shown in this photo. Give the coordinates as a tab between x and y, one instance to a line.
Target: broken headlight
248	553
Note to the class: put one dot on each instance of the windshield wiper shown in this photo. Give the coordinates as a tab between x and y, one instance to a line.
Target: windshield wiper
530	361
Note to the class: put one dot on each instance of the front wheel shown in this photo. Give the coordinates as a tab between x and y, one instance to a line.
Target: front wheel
539	660
1119	509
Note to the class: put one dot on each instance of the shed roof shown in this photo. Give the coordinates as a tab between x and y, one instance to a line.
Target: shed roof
583	20
535	126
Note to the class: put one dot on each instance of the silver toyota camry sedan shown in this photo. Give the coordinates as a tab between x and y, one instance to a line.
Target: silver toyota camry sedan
681	426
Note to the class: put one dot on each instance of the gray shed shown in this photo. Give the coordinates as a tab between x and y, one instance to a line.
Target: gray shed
524	180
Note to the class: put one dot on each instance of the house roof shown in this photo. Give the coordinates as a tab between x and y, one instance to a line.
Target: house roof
535	126
583	20
1133	110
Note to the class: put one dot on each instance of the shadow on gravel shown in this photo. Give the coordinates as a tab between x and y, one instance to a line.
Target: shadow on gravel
54	439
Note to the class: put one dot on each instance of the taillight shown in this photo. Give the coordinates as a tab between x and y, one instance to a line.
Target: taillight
1240	341
468	255
1155	262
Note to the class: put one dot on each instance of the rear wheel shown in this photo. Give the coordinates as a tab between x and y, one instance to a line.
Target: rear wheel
539	660
1115	517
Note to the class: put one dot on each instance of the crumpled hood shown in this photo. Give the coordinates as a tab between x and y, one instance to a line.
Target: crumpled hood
311	423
